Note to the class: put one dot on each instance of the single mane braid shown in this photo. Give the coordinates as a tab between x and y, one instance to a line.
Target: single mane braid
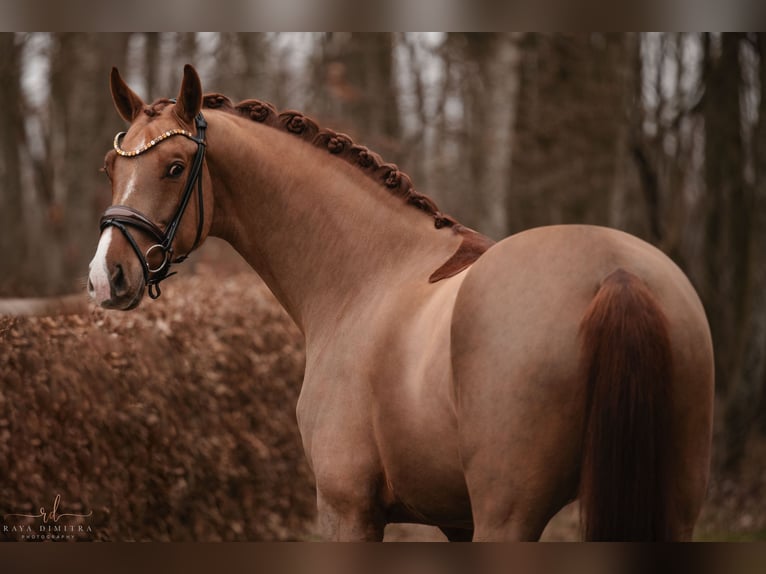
338	144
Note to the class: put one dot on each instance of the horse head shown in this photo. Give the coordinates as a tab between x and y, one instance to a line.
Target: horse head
160	187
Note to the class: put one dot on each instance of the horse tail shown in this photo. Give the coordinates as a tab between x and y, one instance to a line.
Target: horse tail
626	357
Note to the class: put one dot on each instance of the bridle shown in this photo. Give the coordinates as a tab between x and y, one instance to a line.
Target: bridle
122	217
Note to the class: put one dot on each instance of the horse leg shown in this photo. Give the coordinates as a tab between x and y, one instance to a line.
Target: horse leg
343	456
349	520
457	534
514	509
519	447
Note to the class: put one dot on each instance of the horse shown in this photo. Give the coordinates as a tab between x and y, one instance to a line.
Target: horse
450	380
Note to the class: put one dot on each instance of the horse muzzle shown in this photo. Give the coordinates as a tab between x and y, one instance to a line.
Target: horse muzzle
112	283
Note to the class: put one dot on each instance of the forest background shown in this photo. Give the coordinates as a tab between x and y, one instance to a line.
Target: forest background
662	135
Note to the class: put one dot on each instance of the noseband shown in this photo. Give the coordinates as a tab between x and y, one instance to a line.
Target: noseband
123	217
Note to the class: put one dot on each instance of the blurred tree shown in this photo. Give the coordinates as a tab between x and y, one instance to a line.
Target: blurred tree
466	116
487	64
572	127
151	64
664	141
242	60
356	89
13	246
414	139
727	217
255	49
186	48
747	394
81	123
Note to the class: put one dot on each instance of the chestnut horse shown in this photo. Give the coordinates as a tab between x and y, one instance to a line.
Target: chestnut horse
451	381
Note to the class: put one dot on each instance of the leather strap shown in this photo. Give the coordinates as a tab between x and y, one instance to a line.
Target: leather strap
132	217
124	216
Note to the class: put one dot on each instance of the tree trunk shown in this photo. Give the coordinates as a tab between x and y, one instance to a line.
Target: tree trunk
490	89
747	392
242	58
151	70
570	126
12	231
358	92
254	48
82	124
726	226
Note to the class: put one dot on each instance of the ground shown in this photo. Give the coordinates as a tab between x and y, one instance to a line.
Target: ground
177	421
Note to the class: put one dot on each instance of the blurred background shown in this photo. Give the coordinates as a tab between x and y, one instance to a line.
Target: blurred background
662	135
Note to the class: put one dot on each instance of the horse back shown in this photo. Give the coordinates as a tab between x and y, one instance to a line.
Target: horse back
530	292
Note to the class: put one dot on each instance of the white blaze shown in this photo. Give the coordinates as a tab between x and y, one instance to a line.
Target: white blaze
99	273
131	186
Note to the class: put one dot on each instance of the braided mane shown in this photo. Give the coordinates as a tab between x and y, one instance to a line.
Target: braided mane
338	144
386	174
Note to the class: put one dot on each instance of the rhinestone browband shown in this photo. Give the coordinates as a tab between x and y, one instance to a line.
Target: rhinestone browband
152	143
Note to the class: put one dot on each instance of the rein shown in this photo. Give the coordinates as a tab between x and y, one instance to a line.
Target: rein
123	217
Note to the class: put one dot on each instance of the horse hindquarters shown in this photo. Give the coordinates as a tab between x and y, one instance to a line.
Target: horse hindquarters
626	357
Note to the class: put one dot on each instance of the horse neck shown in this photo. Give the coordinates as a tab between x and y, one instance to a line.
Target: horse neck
318	231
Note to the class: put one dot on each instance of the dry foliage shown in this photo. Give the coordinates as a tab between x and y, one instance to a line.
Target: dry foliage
172	422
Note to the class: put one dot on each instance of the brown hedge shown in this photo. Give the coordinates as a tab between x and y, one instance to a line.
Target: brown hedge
173	422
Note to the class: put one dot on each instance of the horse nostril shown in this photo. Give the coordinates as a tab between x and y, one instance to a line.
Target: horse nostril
119	284
91	288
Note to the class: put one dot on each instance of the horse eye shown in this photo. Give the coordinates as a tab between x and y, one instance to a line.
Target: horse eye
175	170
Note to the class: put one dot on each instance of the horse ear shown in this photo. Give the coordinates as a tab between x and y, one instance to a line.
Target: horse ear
190	97
127	102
